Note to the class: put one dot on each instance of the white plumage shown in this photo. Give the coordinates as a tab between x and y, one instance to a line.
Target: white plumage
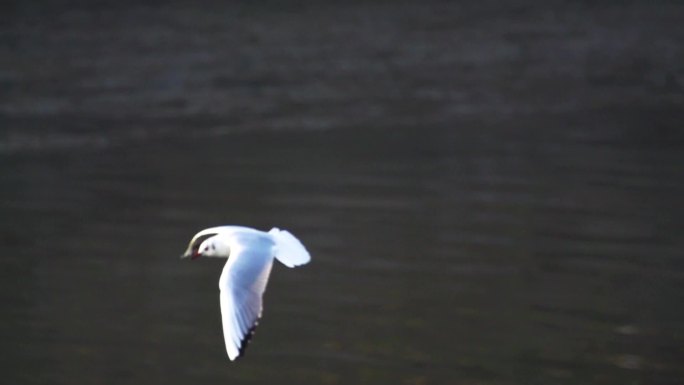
242	284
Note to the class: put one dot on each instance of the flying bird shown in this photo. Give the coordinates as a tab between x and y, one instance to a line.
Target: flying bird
250	254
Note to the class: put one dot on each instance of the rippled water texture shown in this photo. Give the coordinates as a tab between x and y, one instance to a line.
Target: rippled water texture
491	194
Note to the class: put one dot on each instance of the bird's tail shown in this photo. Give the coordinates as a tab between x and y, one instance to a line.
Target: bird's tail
289	251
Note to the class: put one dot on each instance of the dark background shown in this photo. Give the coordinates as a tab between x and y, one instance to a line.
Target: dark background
491	191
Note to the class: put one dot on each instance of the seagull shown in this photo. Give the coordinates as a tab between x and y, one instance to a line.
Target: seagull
250	254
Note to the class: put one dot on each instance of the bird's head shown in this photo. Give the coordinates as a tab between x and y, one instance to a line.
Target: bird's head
213	247
207	245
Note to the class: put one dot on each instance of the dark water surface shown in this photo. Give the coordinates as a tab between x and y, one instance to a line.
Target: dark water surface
491	195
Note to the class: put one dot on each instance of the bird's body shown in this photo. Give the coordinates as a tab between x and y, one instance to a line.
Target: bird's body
250	254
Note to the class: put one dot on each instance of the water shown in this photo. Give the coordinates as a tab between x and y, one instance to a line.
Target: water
468	224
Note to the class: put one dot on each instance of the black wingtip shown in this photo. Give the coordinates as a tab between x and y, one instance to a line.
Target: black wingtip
247	339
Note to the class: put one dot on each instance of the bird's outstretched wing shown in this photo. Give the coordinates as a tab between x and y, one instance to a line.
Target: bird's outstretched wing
242	285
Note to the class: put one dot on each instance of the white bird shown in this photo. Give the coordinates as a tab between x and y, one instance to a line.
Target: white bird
250	254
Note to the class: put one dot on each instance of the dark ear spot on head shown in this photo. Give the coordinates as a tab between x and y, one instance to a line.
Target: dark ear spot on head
197	242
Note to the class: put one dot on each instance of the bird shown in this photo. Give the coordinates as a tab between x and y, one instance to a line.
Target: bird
250	254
